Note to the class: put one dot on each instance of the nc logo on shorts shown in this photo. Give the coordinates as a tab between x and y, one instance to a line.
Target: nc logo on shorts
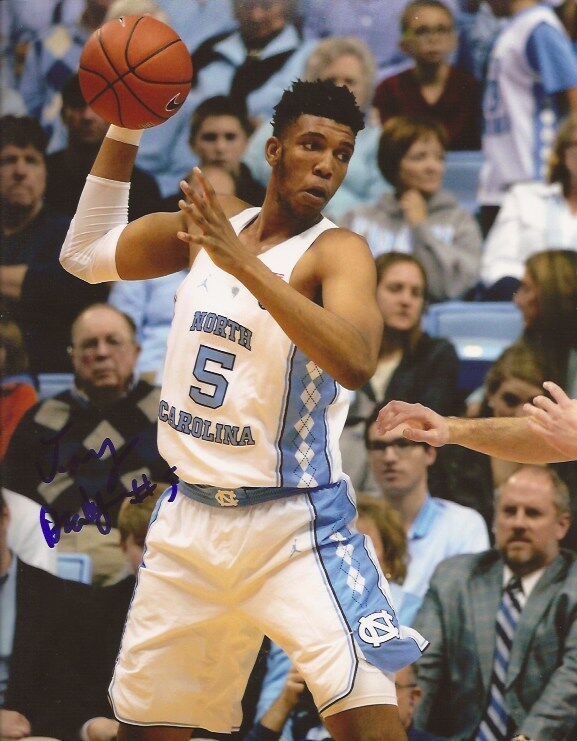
226	498
377	628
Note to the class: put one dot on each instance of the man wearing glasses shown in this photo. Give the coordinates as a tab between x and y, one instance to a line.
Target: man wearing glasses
436	528
109	412
433	87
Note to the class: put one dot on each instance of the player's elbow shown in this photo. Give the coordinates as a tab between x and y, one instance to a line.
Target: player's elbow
356	375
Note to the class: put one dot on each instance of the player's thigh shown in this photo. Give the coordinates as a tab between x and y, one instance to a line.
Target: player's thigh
368	723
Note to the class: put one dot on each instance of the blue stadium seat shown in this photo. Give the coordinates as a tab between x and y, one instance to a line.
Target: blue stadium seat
480	332
462	177
50	384
75	566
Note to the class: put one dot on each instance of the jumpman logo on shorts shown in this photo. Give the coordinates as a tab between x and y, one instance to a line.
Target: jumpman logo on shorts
294	549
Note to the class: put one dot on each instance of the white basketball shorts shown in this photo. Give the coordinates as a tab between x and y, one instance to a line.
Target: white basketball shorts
215	580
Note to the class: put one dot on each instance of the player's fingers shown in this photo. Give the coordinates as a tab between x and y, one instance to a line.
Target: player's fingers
191	210
388	416
557	393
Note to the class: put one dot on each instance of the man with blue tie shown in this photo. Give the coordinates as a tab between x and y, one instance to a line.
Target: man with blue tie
502	663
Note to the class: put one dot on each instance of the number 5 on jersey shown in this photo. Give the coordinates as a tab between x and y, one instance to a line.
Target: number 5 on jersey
217	380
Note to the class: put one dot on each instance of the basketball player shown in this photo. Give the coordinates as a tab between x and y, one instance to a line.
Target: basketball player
547	435
275	320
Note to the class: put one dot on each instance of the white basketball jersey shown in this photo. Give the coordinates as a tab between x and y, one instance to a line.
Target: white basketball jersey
241	405
519	118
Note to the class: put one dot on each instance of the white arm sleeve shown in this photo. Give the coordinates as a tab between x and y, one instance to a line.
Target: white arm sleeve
89	250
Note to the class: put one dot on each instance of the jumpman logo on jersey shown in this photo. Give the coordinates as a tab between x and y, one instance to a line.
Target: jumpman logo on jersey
204	284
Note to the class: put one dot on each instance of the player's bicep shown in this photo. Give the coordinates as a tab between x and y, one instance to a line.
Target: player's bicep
349	280
149	247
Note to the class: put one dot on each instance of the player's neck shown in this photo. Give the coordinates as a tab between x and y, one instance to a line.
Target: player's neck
276	224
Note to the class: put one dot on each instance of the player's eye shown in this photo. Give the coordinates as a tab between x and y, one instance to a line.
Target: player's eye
344	156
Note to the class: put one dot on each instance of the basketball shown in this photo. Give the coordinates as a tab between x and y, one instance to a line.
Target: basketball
135	72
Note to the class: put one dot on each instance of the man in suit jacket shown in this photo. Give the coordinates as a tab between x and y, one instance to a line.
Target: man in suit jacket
459	613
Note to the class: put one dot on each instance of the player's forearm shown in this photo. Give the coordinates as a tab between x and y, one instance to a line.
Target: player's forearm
507	438
330	341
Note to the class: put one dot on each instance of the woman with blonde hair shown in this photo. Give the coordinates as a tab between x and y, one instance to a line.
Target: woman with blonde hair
534	217
547	298
346	61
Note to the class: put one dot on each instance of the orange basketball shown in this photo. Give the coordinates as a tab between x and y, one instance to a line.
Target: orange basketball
135	72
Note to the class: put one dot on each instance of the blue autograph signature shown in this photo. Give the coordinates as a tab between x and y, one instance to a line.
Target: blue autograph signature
95	511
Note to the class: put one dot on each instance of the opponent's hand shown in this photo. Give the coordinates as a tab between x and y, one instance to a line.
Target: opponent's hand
413	421
202	210
14	724
555	421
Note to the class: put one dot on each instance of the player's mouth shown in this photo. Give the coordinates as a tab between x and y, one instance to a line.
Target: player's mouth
317	194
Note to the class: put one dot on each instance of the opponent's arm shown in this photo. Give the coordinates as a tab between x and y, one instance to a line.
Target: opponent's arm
342	336
507	438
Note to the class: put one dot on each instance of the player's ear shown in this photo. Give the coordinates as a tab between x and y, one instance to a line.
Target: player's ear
272	151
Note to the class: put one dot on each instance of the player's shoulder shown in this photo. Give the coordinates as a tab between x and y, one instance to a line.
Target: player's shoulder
341	238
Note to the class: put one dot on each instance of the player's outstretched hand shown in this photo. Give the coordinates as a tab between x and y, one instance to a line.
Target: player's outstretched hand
555	421
213	231
413	421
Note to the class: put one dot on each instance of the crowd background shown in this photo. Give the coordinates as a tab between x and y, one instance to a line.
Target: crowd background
464	184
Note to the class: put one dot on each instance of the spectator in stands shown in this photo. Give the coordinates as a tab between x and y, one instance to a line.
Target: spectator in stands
52	58
420	217
436	528
409	696
433	88
34	289
199	20
252	66
547	297
344	61
534	217
531	82
219	134
503	625
68	168
412	366
96	441
39	679
376	23
17	392
515	379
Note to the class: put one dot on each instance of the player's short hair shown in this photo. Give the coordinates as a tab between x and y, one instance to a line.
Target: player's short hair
561	495
398	136
317	98
219	105
416	5
22	132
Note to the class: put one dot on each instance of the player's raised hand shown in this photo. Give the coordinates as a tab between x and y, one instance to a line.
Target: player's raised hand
555	420
413	421
208	225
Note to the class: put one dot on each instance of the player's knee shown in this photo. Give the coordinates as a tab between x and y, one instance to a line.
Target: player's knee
129	732
370	723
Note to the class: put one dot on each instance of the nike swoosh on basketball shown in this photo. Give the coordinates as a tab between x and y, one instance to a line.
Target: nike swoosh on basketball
173	103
